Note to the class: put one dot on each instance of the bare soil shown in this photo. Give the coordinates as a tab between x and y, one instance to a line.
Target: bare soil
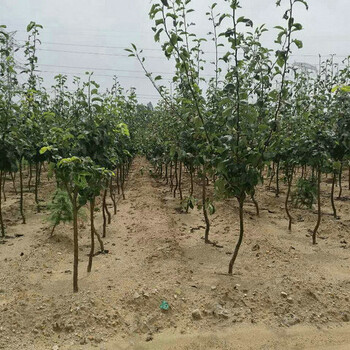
284	293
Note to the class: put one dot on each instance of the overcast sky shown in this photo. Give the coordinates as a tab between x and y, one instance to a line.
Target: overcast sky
89	35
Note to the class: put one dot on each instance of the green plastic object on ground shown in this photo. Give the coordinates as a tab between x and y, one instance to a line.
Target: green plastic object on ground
164	305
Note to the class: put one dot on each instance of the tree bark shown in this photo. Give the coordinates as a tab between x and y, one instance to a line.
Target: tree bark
332	195
289	180
2	226
241	233
37	167
112	195
122	178
109	216
92	234
3	186
340	181
318	207
30	176
171	177
204	205
278	179
180	179
21	200
176	179
104	214
76	241
13	177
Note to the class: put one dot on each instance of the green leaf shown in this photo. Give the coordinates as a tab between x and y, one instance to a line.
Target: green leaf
45	149
298	43
30	26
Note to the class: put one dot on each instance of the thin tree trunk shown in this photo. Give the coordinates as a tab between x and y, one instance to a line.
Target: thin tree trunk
102	248
191	188
76	242
272	175
176	179
118	186
13	177
241	233
21	200
122	178
166	174
204	205
30	176
53	229
37	167
2	226
289	180
171	177
112	195
180	179
191	179
3	186
104	214
340	181
256	204
332	195
318	207
109	216
278	179
92	234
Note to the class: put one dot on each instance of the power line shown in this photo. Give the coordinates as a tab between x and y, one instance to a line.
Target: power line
89	45
144	49
96	75
94	53
103	69
114	70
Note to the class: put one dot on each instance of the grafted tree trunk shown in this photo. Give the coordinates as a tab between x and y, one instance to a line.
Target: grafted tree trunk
180	180
117	178
255	204
92	234
176	179
76	241
204	205
109	216
340	181
13	177
3	186
112	195
241	234
191	188
2	226
102	248
332	195
37	169
289	174
166	174
104	214
21	200
122	178
278	179
314	234
272	175
30	176
171	177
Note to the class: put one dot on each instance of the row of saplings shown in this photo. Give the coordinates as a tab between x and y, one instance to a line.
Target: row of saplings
69	199
306	180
